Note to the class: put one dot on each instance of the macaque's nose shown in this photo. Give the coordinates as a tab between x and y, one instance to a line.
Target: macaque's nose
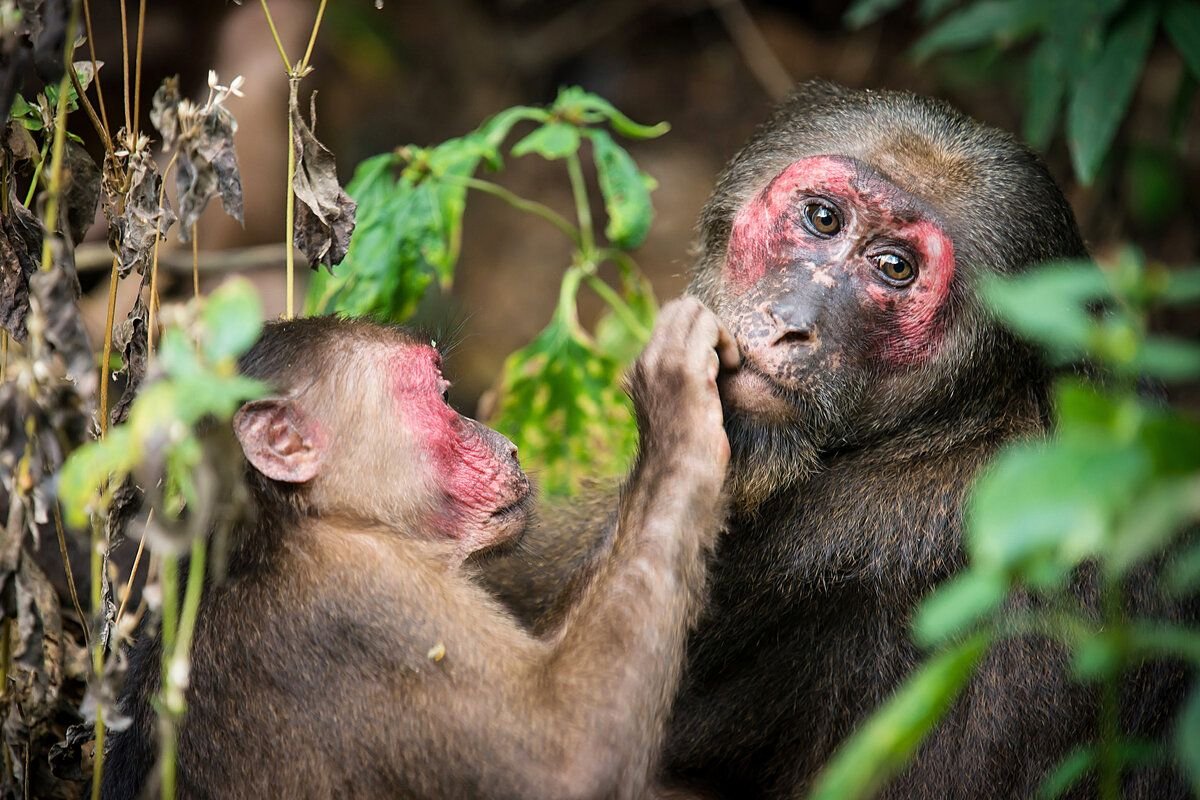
790	325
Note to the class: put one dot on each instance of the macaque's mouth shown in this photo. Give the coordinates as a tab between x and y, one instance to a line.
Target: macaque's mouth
751	390
518	507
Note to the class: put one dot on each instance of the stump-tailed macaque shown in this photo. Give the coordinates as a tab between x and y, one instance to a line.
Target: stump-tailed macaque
348	653
843	248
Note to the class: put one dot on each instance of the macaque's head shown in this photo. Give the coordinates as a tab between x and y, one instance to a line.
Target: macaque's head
359	430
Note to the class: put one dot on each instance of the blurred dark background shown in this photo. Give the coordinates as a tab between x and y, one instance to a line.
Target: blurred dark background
423	72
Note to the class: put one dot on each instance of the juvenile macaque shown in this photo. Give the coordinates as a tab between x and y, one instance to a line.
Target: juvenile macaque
348	653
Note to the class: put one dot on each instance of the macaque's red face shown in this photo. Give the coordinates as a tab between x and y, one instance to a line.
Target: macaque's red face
484	494
832	271
375	443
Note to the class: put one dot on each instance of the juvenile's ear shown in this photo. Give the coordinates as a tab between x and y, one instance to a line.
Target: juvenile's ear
279	440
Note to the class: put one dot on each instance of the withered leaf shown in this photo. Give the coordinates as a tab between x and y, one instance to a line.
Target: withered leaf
20	243
66	757
82	194
164	110
20	142
130	336
56	291
143	220
325	215
208	166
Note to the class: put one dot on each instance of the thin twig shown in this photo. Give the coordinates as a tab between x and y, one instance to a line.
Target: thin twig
520	203
87	16
137	66
56	167
195	261
587	241
125	67
290	203
137	560
91	112
153	302
312	38
776	81
106	353
62	549
287	64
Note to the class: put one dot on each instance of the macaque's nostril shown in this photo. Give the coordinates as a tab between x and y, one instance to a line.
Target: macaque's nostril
801	336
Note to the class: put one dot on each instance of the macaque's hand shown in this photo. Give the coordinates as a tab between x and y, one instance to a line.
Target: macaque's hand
674	388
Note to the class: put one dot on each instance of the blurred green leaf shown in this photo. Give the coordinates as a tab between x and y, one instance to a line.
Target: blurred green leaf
1187	739
957	604
1154	186
1102	93
864	12
988	22
1048	304
1072	769
1181	19
881	747
86	469
1045	85
1043	507
552	141
626	191
232	317
1168	359
1183	573
928	9
1183	286
614	335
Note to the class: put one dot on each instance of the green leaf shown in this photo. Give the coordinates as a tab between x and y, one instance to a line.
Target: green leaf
884	744
1001	22
1181	18
560	402
1183	286
958	604
1047	304
1187	739
574	104
552	141
22	109
1072	769
1043	507
1102	93
88	468
1046	82
864	12
1168	359
232	317
614	335
1183	574
626	191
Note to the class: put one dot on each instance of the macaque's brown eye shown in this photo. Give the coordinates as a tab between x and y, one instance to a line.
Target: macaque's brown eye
895	268
822	219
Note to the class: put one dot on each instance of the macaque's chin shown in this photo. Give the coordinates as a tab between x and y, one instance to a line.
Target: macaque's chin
750	393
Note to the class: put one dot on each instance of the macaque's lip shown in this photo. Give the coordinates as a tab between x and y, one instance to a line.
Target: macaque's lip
518	507
751	391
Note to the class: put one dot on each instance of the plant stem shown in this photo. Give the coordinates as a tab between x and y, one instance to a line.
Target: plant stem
98	647
287	64
137	67
137	560
91	42
153	302
91	112
521	204
59	146
567	309
62	551
195	262
290	201
98	764
37	175
169	581
619	307
106	353
125	69
312	38
587	239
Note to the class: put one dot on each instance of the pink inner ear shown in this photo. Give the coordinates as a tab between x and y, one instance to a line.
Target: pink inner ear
279	441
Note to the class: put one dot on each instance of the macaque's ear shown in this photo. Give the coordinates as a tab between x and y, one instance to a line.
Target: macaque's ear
279	440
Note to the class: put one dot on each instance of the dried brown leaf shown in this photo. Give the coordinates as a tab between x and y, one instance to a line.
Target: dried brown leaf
143	220
164	110
20	245
55	292
130	337
207	167
81	197
325	216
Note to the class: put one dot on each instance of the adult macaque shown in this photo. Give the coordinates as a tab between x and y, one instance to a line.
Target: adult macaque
843	248
348	653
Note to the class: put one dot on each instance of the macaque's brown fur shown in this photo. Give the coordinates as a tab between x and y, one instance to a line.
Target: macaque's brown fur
348	653
857	426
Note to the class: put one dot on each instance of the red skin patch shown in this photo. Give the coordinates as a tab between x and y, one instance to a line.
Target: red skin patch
468	471
768	235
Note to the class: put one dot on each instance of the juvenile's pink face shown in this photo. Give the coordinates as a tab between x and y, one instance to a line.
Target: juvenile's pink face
480	494
832	267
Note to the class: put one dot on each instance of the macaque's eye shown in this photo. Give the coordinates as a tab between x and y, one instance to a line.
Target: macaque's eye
896	269
822	219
